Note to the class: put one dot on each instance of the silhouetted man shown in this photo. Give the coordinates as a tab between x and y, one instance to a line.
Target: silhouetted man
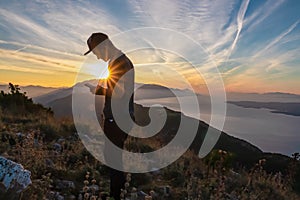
118	65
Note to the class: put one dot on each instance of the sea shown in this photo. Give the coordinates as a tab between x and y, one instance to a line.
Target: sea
271	132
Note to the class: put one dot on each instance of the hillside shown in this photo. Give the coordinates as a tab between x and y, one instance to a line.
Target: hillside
245	154
62	168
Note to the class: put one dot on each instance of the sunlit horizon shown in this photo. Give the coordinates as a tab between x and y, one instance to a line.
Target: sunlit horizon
254	44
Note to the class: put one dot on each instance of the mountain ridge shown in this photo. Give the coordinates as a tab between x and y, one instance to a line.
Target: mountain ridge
245	153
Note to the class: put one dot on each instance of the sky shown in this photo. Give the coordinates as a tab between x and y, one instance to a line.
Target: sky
255	45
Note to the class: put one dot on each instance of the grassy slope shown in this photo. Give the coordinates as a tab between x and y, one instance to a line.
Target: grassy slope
211	177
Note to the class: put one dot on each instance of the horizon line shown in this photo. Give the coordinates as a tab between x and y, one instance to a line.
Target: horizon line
64	87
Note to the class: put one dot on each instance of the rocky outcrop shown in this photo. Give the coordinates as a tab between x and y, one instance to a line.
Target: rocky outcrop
13	177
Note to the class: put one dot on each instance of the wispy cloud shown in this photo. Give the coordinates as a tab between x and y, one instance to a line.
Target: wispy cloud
262	13
21	46
233	34
277	39
240	21
25	69
27	27
43	61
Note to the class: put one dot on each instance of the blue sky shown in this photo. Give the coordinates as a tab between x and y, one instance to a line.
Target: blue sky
255	44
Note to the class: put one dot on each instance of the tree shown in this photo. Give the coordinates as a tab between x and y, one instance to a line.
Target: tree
296	156
17	103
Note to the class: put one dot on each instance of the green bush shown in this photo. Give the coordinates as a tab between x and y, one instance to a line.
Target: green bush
18	104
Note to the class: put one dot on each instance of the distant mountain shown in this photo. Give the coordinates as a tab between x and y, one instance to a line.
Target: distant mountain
265	97
62	107
45	95
32	91
282	94
276	107
144	91
153	91
47	98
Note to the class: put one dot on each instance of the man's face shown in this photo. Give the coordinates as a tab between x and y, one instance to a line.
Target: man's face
101	51
98	52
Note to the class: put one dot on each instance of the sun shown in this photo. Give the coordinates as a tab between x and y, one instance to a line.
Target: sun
105	75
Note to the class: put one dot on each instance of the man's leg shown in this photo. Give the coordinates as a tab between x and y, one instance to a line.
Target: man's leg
117	179
114	157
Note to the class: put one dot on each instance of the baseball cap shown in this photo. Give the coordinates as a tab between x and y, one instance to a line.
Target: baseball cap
94	40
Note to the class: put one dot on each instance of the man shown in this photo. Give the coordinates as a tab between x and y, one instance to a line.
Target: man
119	90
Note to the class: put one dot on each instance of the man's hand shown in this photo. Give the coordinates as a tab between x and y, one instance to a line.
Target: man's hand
99	90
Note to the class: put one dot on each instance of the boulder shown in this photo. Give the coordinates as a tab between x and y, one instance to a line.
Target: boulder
13	177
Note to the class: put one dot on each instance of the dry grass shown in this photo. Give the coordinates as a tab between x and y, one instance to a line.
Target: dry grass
189	177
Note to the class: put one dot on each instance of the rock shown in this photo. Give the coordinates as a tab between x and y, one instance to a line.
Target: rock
94	188
165	190
13	179
50	195
141	195
155	171
13	176
59	197
55	196
19	134
60	140
49	163
64	184
57	147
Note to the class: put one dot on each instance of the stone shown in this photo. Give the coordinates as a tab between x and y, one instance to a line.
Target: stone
13	176
60	140
55	196
49	163
64	184
94	188
59	197
57	147
141	195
